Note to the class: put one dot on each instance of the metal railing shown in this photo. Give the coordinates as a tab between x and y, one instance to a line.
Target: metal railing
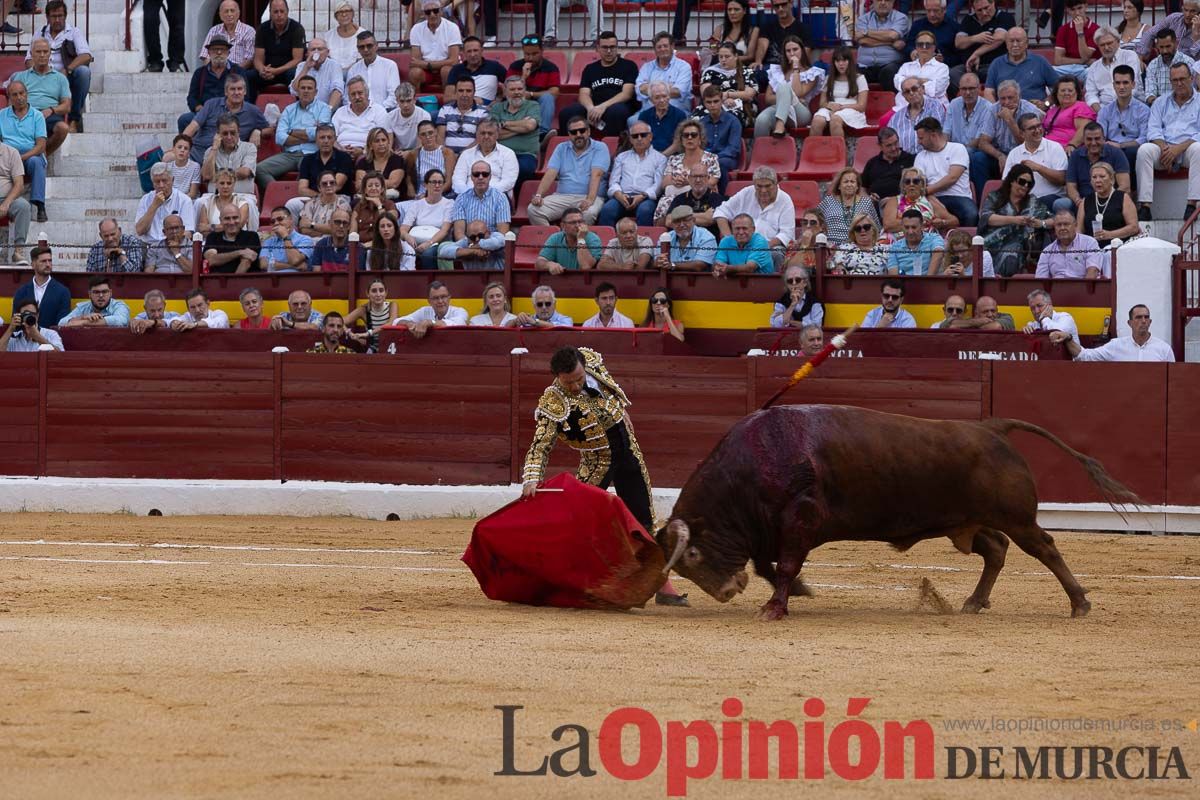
79	15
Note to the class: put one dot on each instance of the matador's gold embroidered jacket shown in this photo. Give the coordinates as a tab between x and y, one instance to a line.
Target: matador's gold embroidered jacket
582	422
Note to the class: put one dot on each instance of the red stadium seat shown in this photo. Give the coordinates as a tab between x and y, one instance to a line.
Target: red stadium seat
403	62
878	104
988	188
563	100
640	57
277	194
282	100
653	232
268	147
821	157
530	239
804	194
778	154
580	60
528	190
503	57
867	147
605	232
733	187
559	59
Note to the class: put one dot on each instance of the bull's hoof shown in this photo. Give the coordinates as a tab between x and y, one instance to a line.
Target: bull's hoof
973	606
772	612
1081	609
664	599
800	589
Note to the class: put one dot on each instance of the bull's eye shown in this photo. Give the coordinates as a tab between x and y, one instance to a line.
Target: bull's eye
692	556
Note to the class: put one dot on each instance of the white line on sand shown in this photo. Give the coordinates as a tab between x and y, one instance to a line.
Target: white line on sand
253	547
164	562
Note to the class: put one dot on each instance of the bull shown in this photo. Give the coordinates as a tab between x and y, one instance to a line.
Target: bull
788	479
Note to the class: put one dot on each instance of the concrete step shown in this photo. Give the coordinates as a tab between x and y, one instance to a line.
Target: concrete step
166	100
151	86
91	211
104	122
119	187
103	144
65	165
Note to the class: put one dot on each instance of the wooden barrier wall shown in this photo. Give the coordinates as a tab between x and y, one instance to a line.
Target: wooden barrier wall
467	419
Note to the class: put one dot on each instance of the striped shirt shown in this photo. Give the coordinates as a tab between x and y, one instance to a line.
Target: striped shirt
492	208
960	128
906	127
459	126
241	44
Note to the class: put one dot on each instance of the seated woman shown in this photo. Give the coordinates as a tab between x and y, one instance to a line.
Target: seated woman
1013	223
380	158
863	254
912	185
427	221
375	313
660	314
793	83
844	99
496	313
960	257
736	81
933	73
802	252
1067	114
369	205
387	248
797	306
1108	205
208	207
846	200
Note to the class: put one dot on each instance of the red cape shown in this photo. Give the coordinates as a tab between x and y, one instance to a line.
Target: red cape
578	548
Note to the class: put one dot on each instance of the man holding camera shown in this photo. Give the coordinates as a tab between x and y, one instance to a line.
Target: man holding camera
23	335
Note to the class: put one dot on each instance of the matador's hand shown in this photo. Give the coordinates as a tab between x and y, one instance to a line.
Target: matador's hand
528	489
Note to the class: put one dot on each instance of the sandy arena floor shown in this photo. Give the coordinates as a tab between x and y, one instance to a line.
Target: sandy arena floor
351	659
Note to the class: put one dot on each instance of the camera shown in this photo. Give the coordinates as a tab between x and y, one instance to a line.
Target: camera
29	318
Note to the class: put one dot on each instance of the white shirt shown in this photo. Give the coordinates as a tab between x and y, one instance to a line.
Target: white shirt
215	318
502	160
435	45
936	165
1098	83
179	203
454	314
404	129
422	212
17	343
777	220
485	319
39	291
1049	154
343	50
935	75
1126	349
1060	321
382	76
619	320
352	129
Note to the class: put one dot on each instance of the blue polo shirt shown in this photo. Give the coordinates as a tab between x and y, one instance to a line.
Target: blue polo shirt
1079	167
1034	75
22	133
45	91
662	130
702	247
757	250
914	261
575	169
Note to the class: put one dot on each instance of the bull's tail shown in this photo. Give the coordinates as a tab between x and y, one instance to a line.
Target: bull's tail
1115	493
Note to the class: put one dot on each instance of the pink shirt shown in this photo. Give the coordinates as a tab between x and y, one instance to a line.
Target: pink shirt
1060	124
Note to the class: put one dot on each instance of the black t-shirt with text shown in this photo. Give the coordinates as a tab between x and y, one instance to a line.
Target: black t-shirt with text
606	83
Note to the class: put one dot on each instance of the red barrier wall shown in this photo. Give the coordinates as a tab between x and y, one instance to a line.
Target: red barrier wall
467	419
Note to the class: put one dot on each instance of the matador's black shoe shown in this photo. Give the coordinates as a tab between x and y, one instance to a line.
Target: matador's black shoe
663	599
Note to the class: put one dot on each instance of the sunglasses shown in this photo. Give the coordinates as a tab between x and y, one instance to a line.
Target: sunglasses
956	310
1023	182
658	301
690	134
887	296
863	228
435	182
534	40
328	183
812	223
796	281
433	12
1032	128
480	174
639	136
912	90
578	132
544	304
925	45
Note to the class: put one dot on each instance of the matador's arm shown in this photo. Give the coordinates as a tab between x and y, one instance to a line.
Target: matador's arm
538	457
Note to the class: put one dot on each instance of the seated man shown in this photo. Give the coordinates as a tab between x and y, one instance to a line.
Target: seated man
329	83
24	128
545	311
199	315
881	175
572	247
637	174
232	249
988	317
157	205
100	309
661	117
743	252
1032	72
917	252
203	127
629	250
295	133
208	81
48	93
478	248
1006	133
286	249
889	314
231	28
607	316
252	306
954	308
155	314
480	203
1072	254
333	332
1045	318
969	121
300	316
331	253
1138	346
1075	45
945	164
722	132
357	118
812	340
1098	86
702	199
172	253
541	79
880	35
580	166
435	45
1126	120
405	117
326	158
12	203
1156	82
487	74
381	74
1094	149
1172	141
278	49
981	39
116	251
70	55
691	248
773	212
438	314
1046	158
458	121
606	90
24	334
518	118
670	70
487	149
231	153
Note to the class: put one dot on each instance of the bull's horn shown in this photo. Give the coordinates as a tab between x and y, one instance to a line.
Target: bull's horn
680	529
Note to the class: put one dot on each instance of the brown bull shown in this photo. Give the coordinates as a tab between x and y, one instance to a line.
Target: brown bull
789	479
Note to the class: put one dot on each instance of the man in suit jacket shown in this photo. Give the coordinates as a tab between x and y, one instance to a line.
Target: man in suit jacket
53	298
